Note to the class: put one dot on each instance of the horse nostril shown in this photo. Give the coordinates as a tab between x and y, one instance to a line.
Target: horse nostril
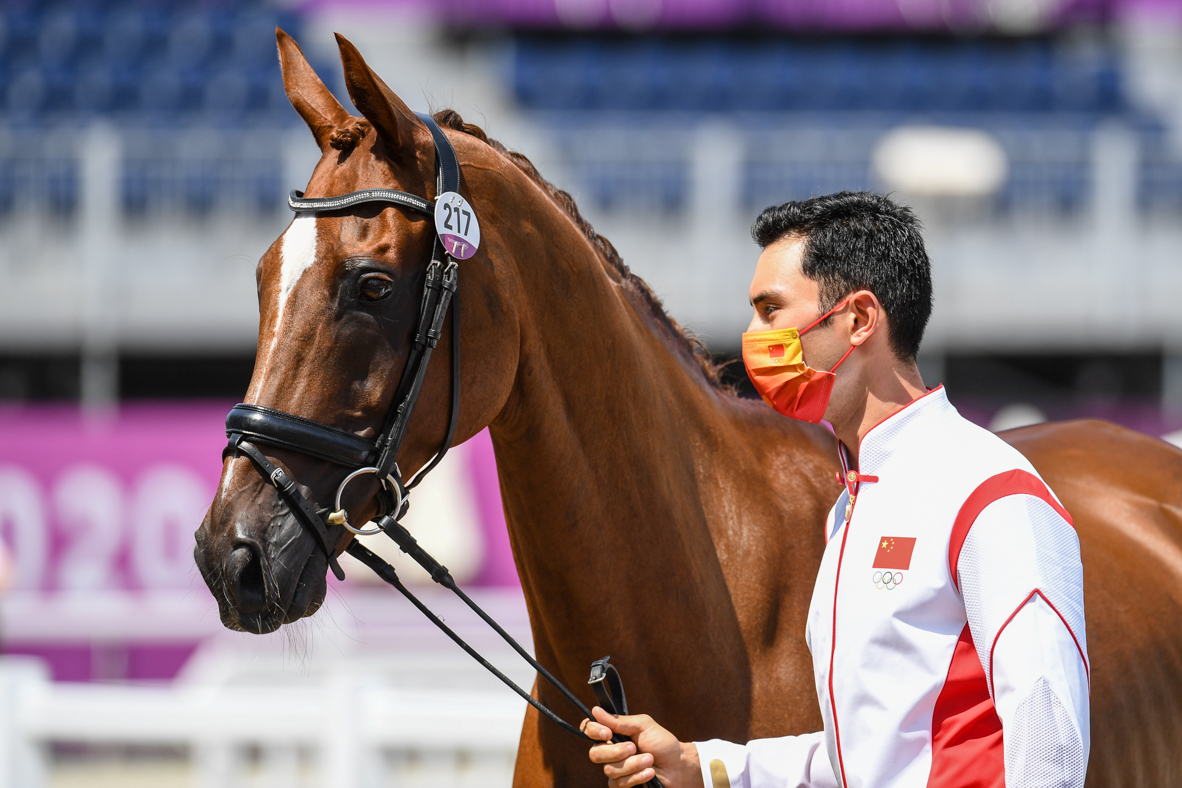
246	573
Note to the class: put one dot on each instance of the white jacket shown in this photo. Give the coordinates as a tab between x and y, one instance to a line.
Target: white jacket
946	625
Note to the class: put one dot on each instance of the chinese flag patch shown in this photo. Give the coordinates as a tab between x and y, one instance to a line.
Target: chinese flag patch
775	351
894	552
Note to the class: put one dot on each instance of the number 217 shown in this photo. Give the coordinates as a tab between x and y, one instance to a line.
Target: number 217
458	215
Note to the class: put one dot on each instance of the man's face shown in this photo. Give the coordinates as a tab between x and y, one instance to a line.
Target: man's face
783	297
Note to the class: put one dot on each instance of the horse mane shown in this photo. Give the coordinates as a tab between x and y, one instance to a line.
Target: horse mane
638	291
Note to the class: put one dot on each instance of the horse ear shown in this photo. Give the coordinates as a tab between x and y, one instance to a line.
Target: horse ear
394	121
312	100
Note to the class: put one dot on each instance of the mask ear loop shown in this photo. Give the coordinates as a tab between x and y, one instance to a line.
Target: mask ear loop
822	319
841	360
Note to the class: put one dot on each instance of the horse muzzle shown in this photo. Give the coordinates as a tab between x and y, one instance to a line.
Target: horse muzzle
259	562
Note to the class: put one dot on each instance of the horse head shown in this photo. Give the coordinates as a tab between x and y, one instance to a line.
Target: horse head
339	298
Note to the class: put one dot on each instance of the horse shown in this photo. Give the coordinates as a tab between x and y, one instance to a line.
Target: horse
654	515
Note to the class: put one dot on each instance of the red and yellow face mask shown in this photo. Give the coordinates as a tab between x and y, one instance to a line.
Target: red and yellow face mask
775	364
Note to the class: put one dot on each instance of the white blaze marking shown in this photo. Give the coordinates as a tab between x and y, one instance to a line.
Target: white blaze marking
298	252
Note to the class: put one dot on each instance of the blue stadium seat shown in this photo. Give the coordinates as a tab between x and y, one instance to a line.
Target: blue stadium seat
136	187
26	93
252	37
707	79
266	187
9	186
126	37
58	37
62	186
168	90
199	184
227	94
22	23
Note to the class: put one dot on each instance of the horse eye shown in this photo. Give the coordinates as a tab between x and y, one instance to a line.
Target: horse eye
375	288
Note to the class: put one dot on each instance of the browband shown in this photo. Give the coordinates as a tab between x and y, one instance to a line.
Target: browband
299	203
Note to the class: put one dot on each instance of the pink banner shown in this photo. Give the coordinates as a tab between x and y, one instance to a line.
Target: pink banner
111	503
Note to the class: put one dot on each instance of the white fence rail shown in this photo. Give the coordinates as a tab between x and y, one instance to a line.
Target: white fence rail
347	731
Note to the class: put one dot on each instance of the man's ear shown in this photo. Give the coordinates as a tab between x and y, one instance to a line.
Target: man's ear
394	122
312	100
866	314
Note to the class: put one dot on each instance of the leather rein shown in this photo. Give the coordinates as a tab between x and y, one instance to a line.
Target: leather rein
247	425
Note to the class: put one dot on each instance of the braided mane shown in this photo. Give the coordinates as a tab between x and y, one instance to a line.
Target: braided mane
637	289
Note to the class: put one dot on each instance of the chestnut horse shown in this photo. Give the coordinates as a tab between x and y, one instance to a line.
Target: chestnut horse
654	515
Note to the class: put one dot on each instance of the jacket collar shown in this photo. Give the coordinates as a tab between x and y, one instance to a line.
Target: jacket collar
895	430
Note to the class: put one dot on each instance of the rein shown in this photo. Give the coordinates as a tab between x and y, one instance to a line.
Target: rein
250	424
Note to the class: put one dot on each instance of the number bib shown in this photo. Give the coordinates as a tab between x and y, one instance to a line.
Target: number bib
456	223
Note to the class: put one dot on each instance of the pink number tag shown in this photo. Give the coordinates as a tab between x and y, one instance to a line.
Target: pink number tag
456	223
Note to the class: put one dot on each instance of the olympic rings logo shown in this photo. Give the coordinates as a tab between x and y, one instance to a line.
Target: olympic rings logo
887	580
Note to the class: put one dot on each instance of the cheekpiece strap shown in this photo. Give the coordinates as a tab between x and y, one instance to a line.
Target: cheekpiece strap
445	156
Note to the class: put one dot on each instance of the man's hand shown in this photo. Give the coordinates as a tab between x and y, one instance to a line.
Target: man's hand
653	752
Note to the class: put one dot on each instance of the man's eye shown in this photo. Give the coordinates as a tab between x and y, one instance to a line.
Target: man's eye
375	288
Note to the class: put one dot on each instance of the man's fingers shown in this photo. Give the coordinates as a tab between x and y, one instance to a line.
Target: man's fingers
629	725
612	753
640	778
628	766
593	730
603	717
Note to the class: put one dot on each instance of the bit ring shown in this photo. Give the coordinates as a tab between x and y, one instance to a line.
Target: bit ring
340	517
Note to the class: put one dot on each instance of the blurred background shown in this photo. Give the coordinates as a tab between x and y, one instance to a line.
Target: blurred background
146	150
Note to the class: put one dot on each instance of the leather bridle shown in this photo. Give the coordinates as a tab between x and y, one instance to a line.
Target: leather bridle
247	425
250	424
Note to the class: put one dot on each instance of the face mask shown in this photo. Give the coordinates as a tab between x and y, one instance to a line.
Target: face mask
775	364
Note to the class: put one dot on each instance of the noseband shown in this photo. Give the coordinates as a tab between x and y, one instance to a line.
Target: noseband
247	425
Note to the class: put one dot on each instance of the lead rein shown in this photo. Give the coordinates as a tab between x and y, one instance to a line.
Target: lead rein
389	575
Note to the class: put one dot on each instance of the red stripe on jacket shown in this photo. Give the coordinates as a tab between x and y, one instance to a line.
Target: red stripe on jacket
967	746
994	488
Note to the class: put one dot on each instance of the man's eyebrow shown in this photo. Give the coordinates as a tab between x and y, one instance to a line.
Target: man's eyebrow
766	295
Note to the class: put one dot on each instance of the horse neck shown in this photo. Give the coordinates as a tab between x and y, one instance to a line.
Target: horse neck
604	453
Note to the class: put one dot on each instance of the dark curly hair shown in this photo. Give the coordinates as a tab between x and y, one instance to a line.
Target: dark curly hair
860	241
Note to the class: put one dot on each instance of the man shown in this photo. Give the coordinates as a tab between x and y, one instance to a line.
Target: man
947	621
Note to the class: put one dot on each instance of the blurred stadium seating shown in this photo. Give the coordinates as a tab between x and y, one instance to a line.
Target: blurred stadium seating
1040	96
151	69
892	75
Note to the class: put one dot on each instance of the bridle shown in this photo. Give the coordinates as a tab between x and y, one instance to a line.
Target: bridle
247	425
250	424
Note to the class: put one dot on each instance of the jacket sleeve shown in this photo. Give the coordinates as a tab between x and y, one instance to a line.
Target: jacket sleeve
786	762
1022	581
